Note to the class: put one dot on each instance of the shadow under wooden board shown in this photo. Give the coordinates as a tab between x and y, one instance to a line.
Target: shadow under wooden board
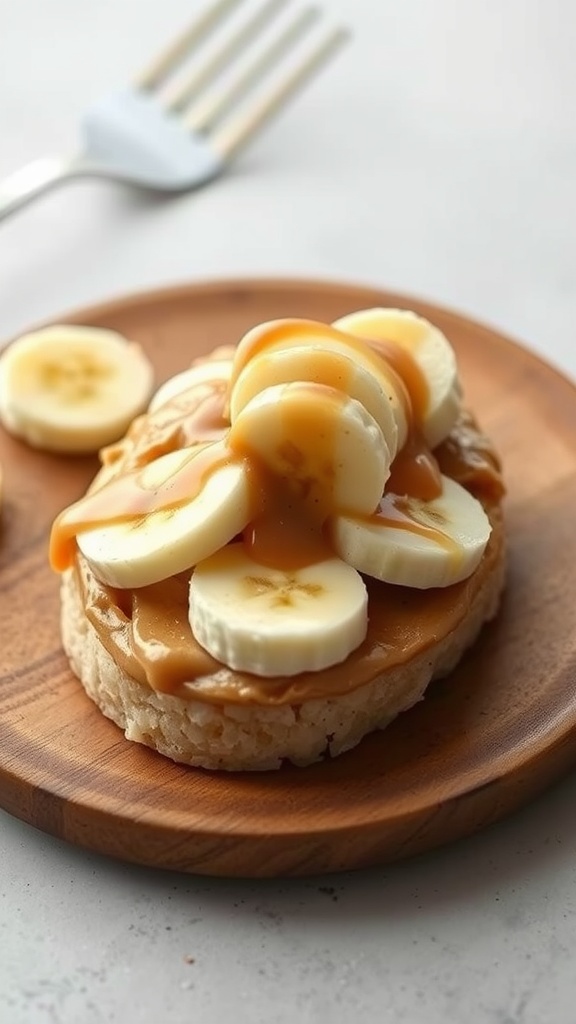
485	740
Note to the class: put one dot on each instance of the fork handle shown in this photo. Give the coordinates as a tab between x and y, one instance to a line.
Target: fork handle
35	178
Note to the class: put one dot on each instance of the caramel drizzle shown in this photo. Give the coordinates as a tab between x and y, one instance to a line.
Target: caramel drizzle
193	416
415	471
132	500
276	334
407	370
400	512
289	506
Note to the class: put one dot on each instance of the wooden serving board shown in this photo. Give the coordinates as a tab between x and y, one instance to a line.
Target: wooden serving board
484	741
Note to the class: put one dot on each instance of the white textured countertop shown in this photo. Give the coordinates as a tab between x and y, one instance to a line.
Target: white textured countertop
437	156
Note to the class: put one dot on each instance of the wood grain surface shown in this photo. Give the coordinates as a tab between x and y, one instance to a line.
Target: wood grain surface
484	741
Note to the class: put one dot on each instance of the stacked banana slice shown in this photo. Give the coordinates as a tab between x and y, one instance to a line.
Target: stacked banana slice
319	415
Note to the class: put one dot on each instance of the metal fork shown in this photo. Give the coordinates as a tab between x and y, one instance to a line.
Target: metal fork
172	138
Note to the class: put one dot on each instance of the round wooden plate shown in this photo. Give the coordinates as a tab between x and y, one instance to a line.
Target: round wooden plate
484	741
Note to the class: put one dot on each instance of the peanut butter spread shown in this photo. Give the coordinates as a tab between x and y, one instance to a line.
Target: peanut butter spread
147	630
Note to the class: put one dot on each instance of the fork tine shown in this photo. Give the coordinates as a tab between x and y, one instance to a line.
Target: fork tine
205	113
181	95
166	61
231	137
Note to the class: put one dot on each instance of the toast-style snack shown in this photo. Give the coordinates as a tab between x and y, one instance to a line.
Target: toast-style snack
287	547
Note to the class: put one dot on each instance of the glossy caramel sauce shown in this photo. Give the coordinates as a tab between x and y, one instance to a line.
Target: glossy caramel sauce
147	630
398	511
194	416
278	534
128	497
407	370
287	332
324	367
278	334
415	470
292	501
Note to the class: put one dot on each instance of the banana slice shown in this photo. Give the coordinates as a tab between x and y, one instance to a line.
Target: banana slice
72	389
416	543
325	445
432	353
318	366
275	623
287	334
137	551
214	370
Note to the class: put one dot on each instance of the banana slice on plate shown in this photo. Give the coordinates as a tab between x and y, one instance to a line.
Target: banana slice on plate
136	550
72	389
326	447
276	623
290	334
203	373
432	353
417	543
